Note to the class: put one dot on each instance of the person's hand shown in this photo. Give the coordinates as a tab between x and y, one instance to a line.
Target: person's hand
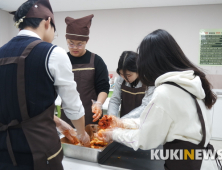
110	121
84	139
116	122
123	123
105	135
97	110
67	130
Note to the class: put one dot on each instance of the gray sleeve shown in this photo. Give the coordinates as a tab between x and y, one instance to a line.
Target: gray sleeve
135	113
115	101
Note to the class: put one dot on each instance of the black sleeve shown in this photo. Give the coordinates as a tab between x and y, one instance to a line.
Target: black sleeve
101	76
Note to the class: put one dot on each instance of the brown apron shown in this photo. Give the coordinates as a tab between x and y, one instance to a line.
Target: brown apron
84	76
40	131
131	98
179	144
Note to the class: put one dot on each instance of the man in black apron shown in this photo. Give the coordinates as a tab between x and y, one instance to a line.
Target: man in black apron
28	136
90	71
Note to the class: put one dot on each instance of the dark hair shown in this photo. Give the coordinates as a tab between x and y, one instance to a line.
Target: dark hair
27	22
159	53
127	61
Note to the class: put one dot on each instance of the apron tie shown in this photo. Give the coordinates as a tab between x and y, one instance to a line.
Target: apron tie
13	123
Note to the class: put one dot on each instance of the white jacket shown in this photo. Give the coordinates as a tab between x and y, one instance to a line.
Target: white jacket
171	114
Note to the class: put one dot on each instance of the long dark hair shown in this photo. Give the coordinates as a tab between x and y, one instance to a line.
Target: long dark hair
159	53
127	61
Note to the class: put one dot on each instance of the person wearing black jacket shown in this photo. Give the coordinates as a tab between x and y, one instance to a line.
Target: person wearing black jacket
90	71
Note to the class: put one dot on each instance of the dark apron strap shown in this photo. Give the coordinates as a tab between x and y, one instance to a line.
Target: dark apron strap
92	58
9	60
20	61
21	79
200	115
13	124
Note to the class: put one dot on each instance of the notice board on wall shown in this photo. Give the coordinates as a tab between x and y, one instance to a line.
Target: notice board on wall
211	47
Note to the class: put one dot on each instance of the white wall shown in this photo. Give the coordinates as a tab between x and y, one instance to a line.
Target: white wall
7	29
114	31
4	20
13	31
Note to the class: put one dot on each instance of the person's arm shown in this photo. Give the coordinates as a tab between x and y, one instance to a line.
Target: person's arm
60	71
70	133
101	86
101	76
56	120
135	113
115	101
79	125
154	126
102	97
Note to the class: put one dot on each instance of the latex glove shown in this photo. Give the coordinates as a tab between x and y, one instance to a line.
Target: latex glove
123	123
105	135
97	110
116	122
66	130
84	139
129	123
110	121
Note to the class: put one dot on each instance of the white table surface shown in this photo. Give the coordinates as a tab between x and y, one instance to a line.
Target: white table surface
75	164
